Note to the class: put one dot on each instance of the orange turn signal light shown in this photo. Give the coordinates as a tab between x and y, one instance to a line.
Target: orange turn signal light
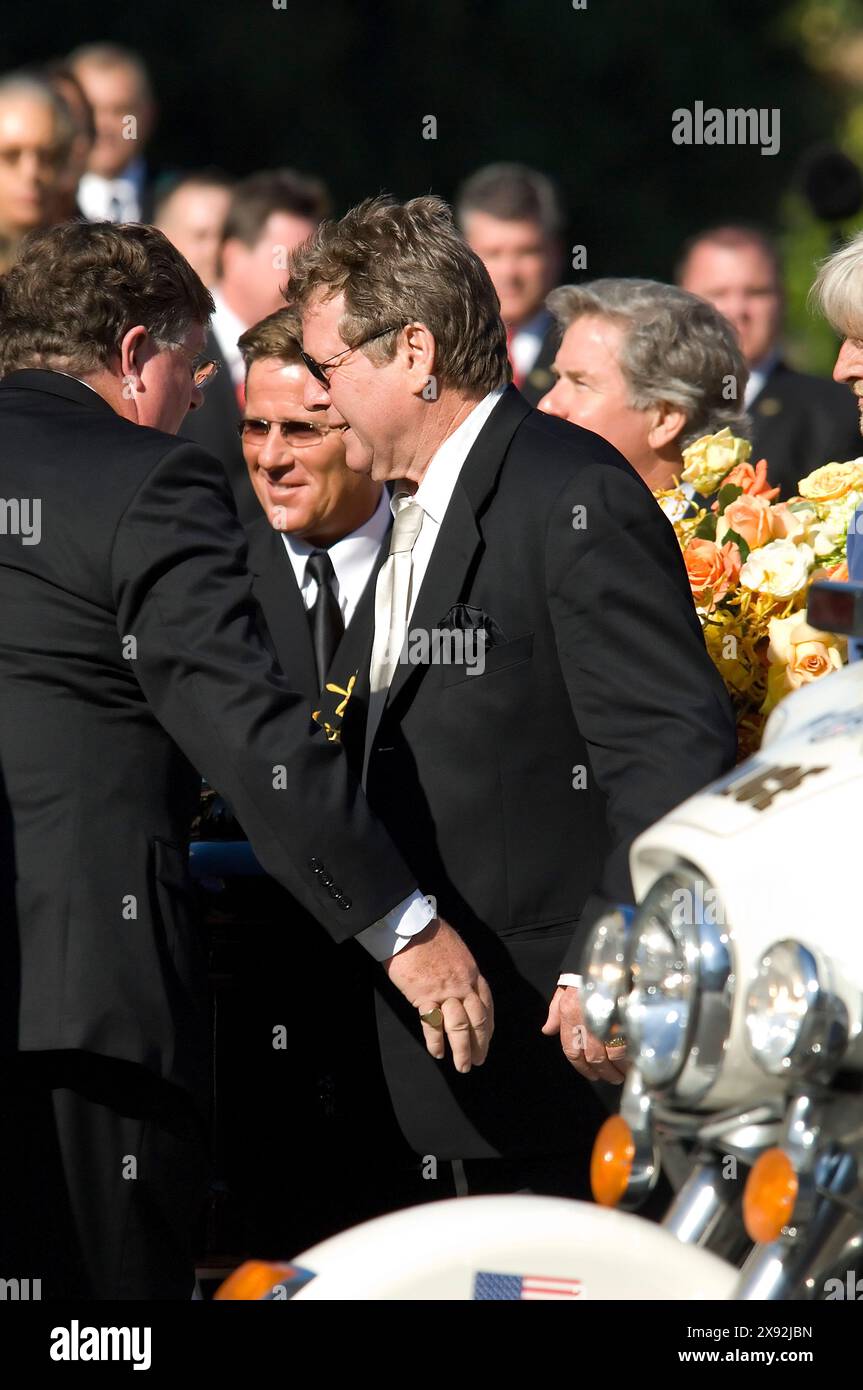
611	1161
769	1196
252	1280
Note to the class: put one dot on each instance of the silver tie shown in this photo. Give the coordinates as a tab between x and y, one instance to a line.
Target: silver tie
393	595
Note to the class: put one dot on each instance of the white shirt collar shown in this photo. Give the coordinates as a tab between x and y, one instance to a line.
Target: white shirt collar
445	465
757	379
353	557
95	191
228	327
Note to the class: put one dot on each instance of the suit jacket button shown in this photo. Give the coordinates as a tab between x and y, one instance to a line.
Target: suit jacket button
345	904
316	866
325	879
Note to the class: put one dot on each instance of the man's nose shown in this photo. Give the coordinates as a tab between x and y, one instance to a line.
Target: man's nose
274	452
551	403
848	364
315	393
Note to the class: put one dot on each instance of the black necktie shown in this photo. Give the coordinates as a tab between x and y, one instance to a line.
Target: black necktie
325	616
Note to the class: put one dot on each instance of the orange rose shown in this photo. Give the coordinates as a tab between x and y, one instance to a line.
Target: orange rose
837	573
752	480
711	569
750	517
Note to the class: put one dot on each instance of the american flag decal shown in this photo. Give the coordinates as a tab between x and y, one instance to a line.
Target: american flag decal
524	1286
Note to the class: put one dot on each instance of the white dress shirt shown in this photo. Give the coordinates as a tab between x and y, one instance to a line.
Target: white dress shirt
757	379
438	484
228	327
113	200
388	937
353	559
527	341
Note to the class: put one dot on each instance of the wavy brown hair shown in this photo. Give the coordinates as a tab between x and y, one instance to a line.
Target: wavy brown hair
406	263
77	288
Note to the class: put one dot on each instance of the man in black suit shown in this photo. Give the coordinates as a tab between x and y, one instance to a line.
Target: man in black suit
511	217
118	184
132	652
314	550
535	688
270	213
799	422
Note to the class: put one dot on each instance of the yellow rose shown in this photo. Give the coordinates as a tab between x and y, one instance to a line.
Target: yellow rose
711	457
832	481
799	654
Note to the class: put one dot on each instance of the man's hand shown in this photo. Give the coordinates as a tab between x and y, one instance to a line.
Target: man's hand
586	1053
438	971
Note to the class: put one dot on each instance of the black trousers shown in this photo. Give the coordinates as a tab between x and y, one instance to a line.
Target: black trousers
103	1171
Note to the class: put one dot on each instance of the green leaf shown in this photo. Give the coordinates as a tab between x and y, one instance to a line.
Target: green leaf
706	528
739	542
728	494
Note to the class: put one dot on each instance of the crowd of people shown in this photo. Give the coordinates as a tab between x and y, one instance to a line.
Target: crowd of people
359	431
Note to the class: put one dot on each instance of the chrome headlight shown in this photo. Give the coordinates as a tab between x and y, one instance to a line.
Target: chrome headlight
795	1024
606	972
679	1011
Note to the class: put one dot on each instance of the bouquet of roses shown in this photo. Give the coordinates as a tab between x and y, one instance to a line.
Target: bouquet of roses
750	562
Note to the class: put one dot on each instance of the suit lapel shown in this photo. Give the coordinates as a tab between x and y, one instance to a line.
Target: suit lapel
459	540
276	589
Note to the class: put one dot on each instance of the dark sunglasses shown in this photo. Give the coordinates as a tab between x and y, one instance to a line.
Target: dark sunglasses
319	369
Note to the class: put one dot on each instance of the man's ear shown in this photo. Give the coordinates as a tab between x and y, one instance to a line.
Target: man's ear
418	350
133	346
668	422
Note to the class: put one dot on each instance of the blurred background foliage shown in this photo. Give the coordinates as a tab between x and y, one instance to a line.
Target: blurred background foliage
587	95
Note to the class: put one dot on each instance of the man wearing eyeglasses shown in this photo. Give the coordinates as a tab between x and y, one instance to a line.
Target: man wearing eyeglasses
133	660
596	708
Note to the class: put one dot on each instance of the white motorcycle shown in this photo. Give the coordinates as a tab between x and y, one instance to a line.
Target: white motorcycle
738	983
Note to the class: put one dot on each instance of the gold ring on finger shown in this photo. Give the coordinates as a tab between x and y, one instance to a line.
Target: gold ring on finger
434	1018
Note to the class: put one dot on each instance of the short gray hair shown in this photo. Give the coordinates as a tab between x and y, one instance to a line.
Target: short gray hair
838	289
31	85
677	349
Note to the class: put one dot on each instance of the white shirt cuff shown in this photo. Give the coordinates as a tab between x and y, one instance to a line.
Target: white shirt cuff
392	933
567	981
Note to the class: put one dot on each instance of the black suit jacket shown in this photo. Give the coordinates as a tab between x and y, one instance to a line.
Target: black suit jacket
598	664
132	652
540	378
214	426
800	422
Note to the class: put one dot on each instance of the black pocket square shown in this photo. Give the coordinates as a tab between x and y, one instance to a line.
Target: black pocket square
463	618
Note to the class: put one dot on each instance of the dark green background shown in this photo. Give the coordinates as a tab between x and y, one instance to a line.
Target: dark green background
341	89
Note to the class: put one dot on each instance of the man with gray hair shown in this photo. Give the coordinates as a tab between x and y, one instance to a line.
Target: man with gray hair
36	133
649	367
597	708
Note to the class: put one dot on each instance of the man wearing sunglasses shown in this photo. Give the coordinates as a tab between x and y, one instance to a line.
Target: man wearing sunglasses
314	549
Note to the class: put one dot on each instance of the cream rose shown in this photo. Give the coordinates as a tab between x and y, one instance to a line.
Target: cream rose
780	568
711	457
832	481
